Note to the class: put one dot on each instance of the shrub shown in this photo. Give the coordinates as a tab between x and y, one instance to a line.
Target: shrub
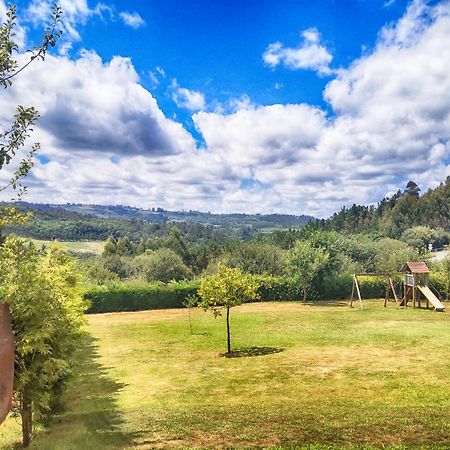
257	259
392	254
419	237
161	265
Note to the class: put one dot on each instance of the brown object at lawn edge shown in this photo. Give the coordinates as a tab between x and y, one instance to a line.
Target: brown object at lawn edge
6	361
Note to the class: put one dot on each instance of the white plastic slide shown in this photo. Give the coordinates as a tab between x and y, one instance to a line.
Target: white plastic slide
426	291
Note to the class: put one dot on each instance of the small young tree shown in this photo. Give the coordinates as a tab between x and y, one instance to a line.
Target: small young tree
189	302
227	288
304	263
47	316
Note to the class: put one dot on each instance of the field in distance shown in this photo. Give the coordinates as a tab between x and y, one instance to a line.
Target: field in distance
315	376
74	246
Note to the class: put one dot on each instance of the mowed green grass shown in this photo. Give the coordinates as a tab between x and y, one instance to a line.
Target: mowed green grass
316	376
75	246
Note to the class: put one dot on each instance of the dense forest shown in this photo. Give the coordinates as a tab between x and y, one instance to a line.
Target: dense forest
393	216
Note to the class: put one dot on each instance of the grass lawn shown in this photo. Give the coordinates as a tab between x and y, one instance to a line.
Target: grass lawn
305	376
75	246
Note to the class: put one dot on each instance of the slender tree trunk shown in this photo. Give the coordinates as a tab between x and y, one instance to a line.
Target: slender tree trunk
190	320
27	418
228	331
304	294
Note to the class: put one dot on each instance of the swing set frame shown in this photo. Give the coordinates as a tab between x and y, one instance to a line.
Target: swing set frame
389	288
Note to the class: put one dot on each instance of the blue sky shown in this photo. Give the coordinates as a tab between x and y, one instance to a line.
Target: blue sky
245	106
216	47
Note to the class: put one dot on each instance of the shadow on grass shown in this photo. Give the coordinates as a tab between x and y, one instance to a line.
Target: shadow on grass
92	417
252	351
325	303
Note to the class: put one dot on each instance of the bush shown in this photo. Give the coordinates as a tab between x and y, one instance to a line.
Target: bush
161	265
392	254
419	237
257	259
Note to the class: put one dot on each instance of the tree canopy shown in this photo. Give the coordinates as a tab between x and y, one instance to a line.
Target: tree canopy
47	307
225	289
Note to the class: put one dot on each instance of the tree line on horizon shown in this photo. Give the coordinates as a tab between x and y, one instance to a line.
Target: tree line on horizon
394	215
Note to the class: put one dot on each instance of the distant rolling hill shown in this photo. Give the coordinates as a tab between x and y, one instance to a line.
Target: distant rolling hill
96	222
158	215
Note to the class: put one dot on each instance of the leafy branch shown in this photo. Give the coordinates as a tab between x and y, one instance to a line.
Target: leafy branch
14	138
8	65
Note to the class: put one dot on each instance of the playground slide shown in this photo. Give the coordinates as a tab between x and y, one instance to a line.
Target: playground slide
426	291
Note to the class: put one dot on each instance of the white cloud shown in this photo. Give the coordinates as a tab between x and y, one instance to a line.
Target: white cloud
310	54
389	3
188	99
76	14
391	122
156	74
109	142
132	19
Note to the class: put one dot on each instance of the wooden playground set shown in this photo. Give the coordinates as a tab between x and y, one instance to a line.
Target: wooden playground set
416	287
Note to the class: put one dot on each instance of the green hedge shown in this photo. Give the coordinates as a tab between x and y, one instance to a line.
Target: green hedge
130	298
279	289
123	297
340	287
438	282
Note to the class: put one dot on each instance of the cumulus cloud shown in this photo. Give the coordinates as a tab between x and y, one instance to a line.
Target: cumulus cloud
89	105
310	54
187	99
76	13
107	140
132	19
390	123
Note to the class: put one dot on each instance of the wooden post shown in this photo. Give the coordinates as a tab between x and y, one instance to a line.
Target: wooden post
414	296
386	294
393	290
358	292
353	291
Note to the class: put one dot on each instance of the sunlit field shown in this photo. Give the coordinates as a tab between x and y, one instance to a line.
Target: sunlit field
314	376
74	246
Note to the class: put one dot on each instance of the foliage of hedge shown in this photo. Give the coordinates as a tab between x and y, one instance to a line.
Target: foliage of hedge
279	289
437	282
124	297
340	286
118	298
